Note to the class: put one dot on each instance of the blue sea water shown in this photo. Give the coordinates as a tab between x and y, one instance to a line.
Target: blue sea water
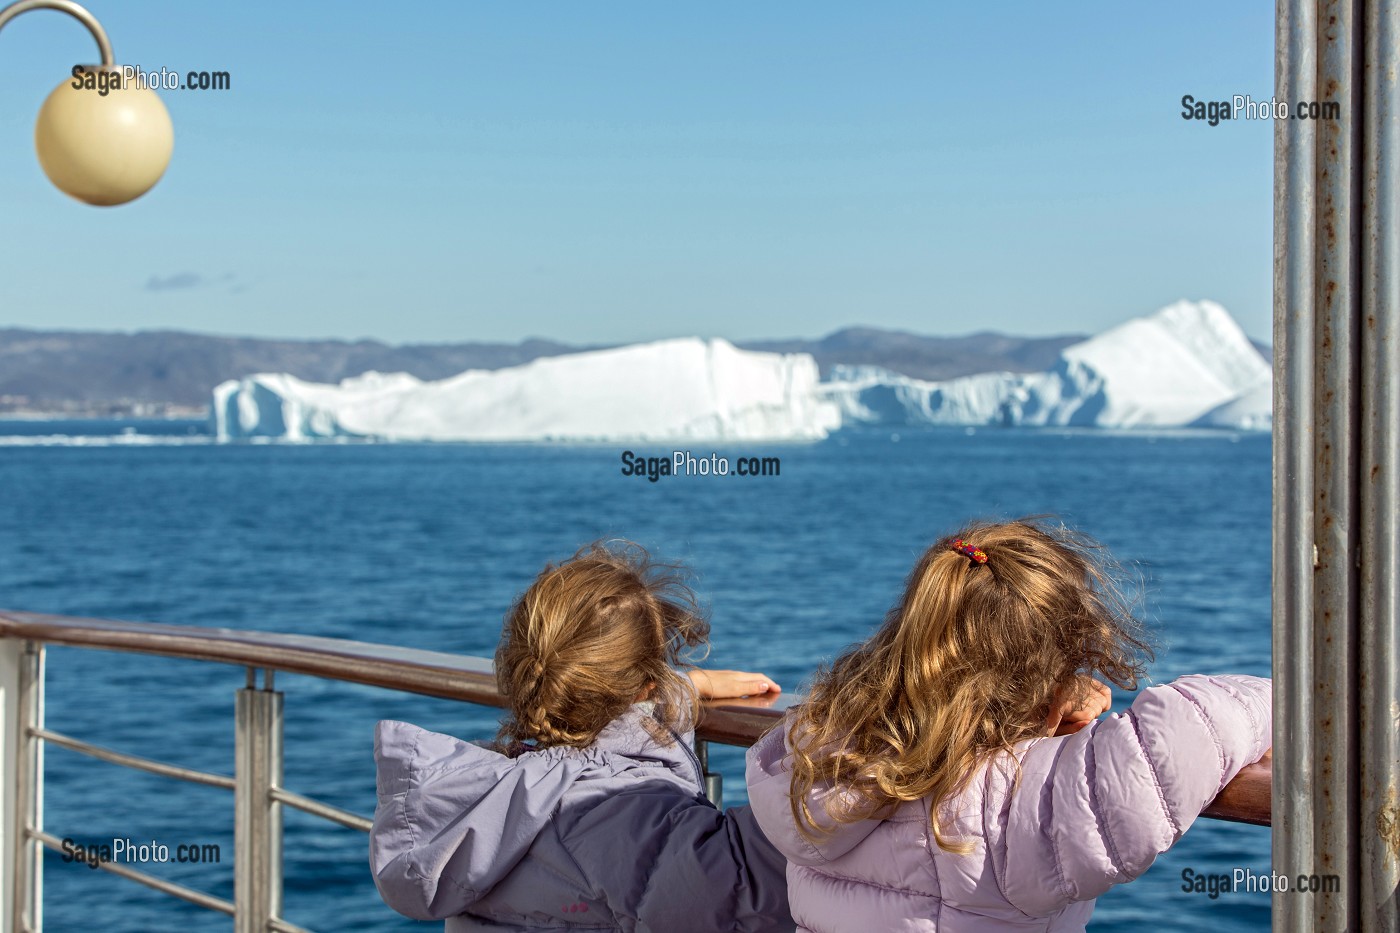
425	545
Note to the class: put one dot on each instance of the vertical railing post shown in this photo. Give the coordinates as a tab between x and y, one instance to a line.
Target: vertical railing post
1379	501
22	780
714	783
1336	446
257	834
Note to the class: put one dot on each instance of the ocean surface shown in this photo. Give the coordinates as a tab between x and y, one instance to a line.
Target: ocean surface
425	546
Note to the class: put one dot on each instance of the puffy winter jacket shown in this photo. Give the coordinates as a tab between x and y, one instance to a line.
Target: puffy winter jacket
617	836
1090	811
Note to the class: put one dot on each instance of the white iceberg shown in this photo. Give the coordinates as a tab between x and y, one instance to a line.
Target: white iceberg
672	390
1188	364
1250	411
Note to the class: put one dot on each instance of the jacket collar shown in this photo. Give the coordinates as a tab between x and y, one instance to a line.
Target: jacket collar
638	736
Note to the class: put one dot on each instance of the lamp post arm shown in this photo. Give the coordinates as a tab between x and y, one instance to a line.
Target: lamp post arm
74	10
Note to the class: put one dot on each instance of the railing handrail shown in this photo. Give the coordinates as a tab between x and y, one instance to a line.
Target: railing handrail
448	676
431	673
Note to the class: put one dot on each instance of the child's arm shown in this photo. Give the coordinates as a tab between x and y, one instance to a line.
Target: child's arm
721	685
1095	809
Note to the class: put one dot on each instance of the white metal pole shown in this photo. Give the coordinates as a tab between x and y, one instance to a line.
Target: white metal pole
21	785
257	893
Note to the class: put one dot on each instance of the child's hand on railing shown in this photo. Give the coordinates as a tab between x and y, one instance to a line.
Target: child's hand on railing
1068	713
723	685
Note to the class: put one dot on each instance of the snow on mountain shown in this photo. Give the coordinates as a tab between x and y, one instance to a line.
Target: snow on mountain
672	390
1187	364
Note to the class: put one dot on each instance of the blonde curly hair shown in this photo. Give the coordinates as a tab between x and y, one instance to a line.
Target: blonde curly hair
590	637
965	667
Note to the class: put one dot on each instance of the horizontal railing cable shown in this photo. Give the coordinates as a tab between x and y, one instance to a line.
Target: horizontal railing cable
133	761
324	810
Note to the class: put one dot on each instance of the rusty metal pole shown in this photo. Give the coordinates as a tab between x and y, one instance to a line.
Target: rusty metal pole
1335	446
1336	262
1294	226
1379	469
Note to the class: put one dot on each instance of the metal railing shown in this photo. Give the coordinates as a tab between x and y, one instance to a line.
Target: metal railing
1336	525
257	779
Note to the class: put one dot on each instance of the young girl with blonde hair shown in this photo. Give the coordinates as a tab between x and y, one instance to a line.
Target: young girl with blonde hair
589	812
923	786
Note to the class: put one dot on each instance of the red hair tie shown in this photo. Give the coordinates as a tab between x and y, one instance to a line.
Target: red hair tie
971	551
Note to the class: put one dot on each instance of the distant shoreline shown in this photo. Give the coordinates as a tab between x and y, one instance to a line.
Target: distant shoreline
174	413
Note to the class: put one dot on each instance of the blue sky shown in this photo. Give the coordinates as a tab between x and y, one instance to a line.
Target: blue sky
626	171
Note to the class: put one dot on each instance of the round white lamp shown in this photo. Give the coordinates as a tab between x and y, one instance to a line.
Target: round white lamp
99	138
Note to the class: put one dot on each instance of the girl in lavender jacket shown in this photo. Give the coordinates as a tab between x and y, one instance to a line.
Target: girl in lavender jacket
590	813
928	782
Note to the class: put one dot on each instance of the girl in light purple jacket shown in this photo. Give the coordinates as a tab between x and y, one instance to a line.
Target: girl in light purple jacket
929	782
590	813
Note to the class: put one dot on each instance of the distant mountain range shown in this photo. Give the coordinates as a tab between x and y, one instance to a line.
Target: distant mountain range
163	371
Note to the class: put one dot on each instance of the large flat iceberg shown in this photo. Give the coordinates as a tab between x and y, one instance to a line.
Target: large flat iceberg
1187	365
672	390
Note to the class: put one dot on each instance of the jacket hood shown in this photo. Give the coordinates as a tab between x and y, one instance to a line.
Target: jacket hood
454	818
768	774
